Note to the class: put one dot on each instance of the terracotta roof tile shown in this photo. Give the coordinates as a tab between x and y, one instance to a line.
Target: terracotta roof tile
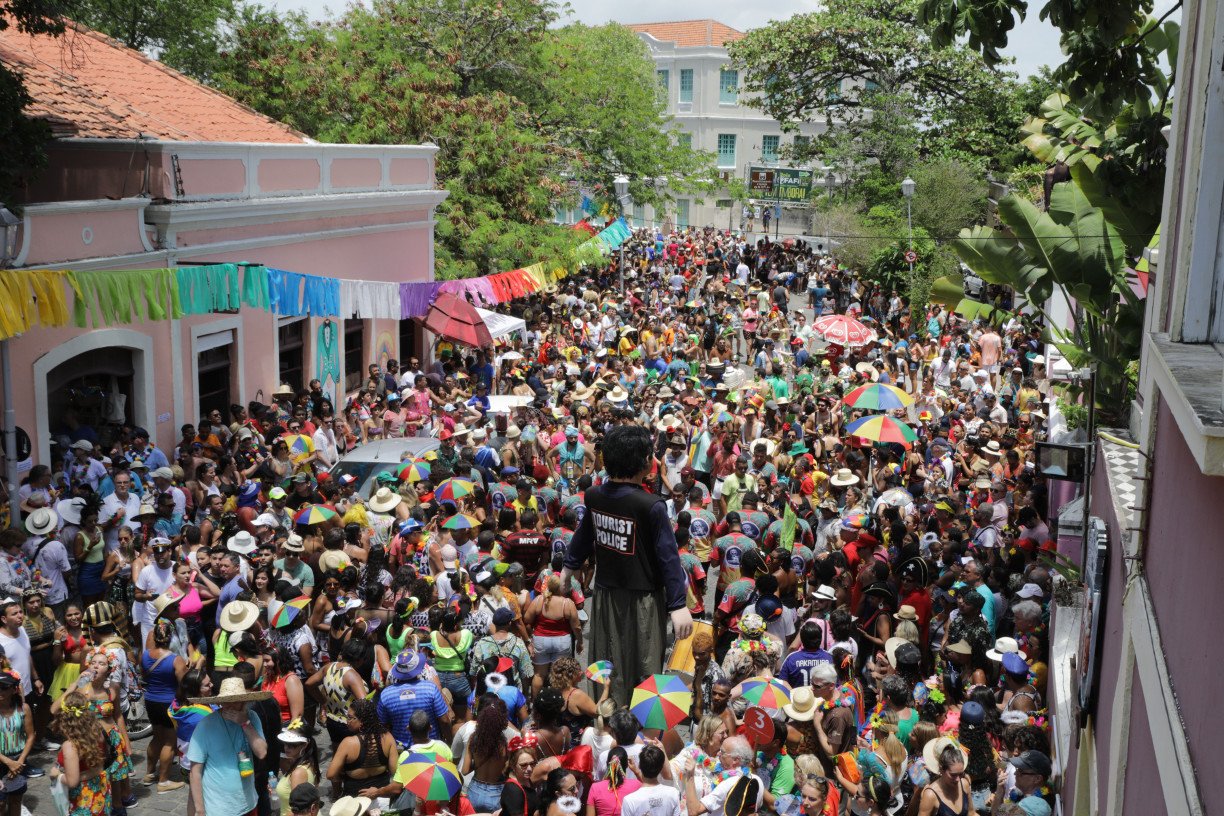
690	33
88	85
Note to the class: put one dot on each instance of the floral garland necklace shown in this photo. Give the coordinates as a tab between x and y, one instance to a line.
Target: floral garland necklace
712	766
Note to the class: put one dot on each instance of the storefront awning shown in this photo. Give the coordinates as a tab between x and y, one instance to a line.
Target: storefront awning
500	325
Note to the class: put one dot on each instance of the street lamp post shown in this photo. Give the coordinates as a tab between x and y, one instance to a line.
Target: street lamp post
621	185
8	253
907	190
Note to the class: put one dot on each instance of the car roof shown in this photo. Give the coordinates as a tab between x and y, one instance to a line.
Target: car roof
391	450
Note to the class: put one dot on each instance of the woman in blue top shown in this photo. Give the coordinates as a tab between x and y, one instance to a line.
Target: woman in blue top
162	669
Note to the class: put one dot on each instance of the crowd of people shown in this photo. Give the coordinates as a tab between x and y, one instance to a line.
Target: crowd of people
675	491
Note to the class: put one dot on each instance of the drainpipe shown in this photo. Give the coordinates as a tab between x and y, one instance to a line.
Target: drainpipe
10	436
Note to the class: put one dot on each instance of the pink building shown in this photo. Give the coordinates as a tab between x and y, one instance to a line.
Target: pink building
1146	740
150	169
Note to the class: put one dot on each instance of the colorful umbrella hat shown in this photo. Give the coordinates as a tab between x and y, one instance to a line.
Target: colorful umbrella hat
313	514
878	397
882	428
453	490
766	692
461	521
414	470
855	519
600	671
723	416
299	444
431	778
843	330
661	701
284	616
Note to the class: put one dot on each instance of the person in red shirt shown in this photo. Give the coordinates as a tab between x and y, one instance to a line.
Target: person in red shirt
915	575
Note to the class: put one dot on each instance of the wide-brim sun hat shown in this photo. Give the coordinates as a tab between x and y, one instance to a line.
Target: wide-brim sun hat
844	477
1005	645
41	522
802	705
233	690
238	616
932	750
385	500
350	806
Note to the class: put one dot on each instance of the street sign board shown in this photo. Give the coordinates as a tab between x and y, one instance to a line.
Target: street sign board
911	256
761	180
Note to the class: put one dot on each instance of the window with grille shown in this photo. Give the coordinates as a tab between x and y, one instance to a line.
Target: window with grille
354	354
686	84
769	148
726	150
728	86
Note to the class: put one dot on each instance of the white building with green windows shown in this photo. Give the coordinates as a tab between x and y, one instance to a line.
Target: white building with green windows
702	90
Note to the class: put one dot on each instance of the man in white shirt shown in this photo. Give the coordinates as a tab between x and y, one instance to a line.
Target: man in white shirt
118	509
943	369
48	556
736	753
153	580
163	482
16	645
324	438
741	274
651	799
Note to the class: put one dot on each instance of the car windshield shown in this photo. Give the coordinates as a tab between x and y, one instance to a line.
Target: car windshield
365	472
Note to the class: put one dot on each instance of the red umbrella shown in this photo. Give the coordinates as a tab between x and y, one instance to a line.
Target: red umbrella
843	330
454	318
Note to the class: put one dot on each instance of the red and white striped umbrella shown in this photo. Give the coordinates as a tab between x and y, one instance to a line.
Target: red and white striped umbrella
843	330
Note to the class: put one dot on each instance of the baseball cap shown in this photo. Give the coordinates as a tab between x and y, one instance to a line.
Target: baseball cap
1030	591
276	493
304	797
503	616
1033	760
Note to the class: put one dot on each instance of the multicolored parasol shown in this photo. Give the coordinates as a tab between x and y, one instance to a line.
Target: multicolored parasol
284	616
843	330
766	692
882	428
856	519
300	602
414	470
600	671
429	777
453	490
461	521
313	514
722	416
878	397
661	701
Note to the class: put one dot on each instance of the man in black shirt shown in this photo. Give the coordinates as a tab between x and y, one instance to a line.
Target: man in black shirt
639	580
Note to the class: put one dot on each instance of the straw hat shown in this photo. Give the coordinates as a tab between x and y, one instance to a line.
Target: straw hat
145	511
350	806
385	500
618	394
802	705
513	432
770	445
932	750
41	522
242	543
906	612
233	691
238	616
1005	645
844	477
669	423
284	390
167	599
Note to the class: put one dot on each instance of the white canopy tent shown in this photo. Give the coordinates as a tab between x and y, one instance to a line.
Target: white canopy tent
501	325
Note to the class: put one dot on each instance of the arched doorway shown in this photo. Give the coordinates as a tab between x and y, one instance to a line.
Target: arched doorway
101	379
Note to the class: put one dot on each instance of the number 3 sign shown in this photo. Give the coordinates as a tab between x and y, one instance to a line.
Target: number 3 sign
758	726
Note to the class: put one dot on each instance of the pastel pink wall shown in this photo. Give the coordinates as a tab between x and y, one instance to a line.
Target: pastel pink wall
1185	570
410	171
192	238
55	238
1143	790
397	256
355	173
204	177
276	175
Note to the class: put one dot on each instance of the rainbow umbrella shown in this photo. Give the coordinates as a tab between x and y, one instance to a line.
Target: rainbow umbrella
414	470
299	444
723	416
766	692
461	521
661	701
453	489
600	671
284	616
313	514
429	777
856	519
882	428
300	602
878	397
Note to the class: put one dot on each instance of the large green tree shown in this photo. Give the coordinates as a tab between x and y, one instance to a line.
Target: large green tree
515	107
888	94
184	35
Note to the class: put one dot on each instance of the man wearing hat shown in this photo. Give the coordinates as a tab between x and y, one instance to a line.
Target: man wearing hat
1032	769
292	567
224	750
85	468
48	556
408	694
627	533
153	580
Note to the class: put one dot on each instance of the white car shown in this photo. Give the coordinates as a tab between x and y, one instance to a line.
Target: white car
368	460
